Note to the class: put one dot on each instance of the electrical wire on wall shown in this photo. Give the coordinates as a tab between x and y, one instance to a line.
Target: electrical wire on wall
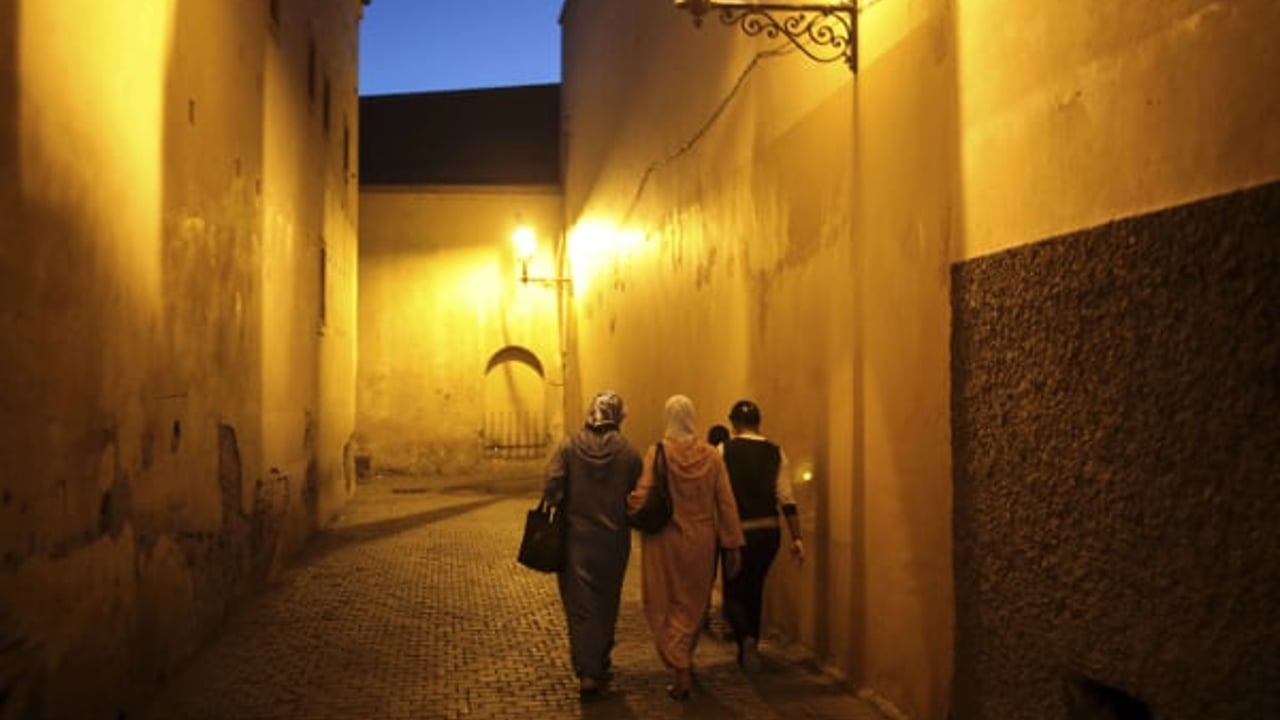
706	126
719	109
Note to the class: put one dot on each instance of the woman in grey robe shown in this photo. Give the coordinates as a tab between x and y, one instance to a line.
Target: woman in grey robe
589	477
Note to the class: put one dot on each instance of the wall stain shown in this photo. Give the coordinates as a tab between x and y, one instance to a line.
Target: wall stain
148	446
20	679
311	490
240	555
115	509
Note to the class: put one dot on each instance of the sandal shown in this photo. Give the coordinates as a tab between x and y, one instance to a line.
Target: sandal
676	693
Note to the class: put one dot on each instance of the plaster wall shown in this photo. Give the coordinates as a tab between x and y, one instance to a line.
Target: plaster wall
174	425
746	223
906	197
1076	114
439	298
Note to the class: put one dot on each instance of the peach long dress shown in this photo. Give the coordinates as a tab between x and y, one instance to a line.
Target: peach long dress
678	562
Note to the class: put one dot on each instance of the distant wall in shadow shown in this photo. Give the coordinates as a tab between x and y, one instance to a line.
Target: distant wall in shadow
15	670
8	118
1116	404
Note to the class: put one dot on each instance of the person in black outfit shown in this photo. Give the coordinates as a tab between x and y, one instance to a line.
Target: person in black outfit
588	478
762	487
717	436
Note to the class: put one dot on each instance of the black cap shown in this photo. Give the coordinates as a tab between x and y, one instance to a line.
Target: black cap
745	412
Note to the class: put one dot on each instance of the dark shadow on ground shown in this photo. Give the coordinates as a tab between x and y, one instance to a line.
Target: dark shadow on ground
408	484
610	706
784	683
333	539
643	689
702	703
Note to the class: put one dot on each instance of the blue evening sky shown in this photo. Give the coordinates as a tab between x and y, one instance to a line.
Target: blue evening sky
419	45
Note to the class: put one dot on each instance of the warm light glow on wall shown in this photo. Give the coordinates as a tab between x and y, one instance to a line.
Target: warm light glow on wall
469	283
594	244
803	472
479	284
887	24
92	112
629	240
525	241
467	278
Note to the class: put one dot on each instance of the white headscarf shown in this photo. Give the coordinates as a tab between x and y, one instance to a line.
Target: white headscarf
679	412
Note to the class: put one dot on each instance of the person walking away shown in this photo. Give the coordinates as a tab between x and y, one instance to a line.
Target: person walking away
678	561
589	477
761	488
717	435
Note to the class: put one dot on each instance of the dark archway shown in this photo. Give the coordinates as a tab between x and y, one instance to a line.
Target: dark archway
515	353
515	405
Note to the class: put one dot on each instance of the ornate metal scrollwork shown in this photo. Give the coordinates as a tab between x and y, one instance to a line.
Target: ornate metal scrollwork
825	33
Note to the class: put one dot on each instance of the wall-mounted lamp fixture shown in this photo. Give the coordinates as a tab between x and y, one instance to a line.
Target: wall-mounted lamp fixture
525	241
826	32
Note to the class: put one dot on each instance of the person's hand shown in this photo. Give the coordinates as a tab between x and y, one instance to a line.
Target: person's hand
732	562
797	550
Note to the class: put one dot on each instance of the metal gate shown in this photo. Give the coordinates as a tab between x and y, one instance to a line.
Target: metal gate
515	435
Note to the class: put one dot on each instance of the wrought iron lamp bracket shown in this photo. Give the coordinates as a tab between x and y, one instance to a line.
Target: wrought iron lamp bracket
527	279
824	32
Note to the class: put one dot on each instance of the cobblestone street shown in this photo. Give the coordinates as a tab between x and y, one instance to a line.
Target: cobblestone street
412	606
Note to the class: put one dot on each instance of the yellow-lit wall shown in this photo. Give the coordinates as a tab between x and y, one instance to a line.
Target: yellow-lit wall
774	228
712	223
1076	114
175	414
439	297
905	195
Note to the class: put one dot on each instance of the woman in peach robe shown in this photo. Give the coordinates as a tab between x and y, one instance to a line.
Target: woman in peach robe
678	562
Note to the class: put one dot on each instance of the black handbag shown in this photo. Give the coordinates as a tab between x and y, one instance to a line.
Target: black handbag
542	547
656	512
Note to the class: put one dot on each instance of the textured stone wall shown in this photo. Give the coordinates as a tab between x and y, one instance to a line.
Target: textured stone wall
1115	419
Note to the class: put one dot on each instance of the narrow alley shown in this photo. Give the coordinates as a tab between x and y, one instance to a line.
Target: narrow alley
284	350
412	606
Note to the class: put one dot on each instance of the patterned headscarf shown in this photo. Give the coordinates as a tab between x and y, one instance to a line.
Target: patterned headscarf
605	410
679	411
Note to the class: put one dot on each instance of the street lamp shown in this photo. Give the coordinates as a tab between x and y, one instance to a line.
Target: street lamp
525	241
526	244
826	32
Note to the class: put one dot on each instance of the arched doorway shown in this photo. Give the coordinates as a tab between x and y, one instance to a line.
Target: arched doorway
515	406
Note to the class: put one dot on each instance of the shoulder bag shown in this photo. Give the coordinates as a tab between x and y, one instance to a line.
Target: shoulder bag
543	545
656	512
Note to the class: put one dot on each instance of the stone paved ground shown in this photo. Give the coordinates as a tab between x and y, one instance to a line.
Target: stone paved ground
411	606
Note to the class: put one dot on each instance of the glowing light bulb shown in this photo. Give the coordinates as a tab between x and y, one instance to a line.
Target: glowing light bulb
525	241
